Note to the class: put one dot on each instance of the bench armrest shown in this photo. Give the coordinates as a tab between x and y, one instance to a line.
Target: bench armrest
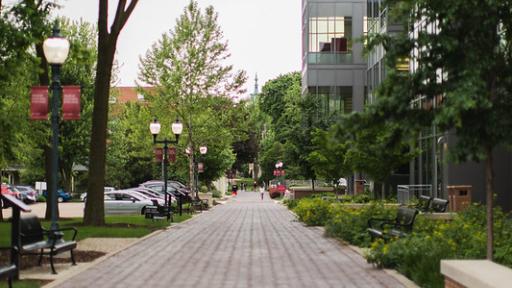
382	221
68	229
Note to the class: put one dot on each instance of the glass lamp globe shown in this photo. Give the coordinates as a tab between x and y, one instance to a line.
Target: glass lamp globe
56	49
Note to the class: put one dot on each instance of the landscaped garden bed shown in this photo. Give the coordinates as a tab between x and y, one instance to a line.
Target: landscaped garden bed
417	255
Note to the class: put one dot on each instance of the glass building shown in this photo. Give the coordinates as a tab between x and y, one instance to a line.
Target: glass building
432	167
333	64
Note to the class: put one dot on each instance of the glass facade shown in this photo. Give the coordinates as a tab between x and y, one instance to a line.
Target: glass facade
333	100
333	60
329	33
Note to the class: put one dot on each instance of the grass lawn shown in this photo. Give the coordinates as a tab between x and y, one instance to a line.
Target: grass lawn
21	284
126	226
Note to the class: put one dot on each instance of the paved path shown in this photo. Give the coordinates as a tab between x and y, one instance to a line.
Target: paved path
245	243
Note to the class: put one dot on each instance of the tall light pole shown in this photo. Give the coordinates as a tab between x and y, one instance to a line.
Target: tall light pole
177	129
56	50
202	151
190	152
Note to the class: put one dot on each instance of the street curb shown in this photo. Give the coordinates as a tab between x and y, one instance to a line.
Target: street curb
88	265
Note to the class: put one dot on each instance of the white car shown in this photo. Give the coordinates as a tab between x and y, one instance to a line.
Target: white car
126	202
106	189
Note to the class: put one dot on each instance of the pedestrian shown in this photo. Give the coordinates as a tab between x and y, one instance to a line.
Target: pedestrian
234	189
262	191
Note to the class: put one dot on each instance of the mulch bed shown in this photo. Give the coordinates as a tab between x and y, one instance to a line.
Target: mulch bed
32	260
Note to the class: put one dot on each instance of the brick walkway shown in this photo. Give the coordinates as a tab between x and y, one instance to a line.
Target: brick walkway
245	243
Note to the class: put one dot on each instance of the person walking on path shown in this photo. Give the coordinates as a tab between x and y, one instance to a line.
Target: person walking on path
262	191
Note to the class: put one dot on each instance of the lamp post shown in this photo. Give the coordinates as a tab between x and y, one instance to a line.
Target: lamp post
202	150
177	128
56	49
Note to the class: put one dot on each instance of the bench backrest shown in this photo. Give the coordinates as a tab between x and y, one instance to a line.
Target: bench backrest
405	218
439	205
31	228
424	203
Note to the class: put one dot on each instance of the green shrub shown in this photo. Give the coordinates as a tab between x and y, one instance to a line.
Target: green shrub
41	198
351	224
418	256
290	203
313	211
216	194
204	189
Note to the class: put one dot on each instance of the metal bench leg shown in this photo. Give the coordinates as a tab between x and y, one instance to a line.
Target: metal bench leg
72	257
51	263
41	257
9	282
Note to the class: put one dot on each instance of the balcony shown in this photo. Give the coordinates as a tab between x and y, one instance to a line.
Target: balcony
323	58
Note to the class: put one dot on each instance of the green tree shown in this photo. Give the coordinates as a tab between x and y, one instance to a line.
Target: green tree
328	157
472	85
186	67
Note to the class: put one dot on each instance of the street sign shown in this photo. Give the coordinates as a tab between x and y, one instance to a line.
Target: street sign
39	103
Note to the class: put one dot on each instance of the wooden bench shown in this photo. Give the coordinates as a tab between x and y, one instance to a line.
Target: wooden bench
38	241
398	227
9	272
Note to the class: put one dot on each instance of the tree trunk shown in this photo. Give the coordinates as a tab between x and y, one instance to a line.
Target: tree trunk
94	207
489	189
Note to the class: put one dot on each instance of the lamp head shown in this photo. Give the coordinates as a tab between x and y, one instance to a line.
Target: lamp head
154	127
56	48
203	150
177	127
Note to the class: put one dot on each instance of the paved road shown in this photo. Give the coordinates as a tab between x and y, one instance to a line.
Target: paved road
66	210
245	243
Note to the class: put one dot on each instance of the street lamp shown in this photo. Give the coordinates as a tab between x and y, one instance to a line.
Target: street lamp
190	152
177	129
202	151
56	50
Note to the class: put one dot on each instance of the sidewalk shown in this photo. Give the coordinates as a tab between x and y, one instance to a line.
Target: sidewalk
248	242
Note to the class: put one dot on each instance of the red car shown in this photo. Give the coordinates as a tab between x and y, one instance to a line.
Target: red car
6	189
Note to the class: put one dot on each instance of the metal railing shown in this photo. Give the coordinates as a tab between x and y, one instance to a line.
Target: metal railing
307	183
406	193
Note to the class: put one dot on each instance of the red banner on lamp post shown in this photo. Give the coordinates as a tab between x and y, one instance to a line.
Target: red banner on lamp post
39	103
71	103
171	154
159	152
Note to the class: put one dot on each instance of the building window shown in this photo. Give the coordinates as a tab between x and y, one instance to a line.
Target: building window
330	34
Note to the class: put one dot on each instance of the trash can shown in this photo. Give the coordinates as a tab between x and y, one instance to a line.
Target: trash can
459	197
359	186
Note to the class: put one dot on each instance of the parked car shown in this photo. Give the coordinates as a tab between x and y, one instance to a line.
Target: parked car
105	189
126	202
28	194
9	190
62	196
173	187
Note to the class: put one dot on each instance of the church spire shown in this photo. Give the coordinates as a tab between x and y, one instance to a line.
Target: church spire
256	88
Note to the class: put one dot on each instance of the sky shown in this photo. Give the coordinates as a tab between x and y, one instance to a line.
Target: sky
263	35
